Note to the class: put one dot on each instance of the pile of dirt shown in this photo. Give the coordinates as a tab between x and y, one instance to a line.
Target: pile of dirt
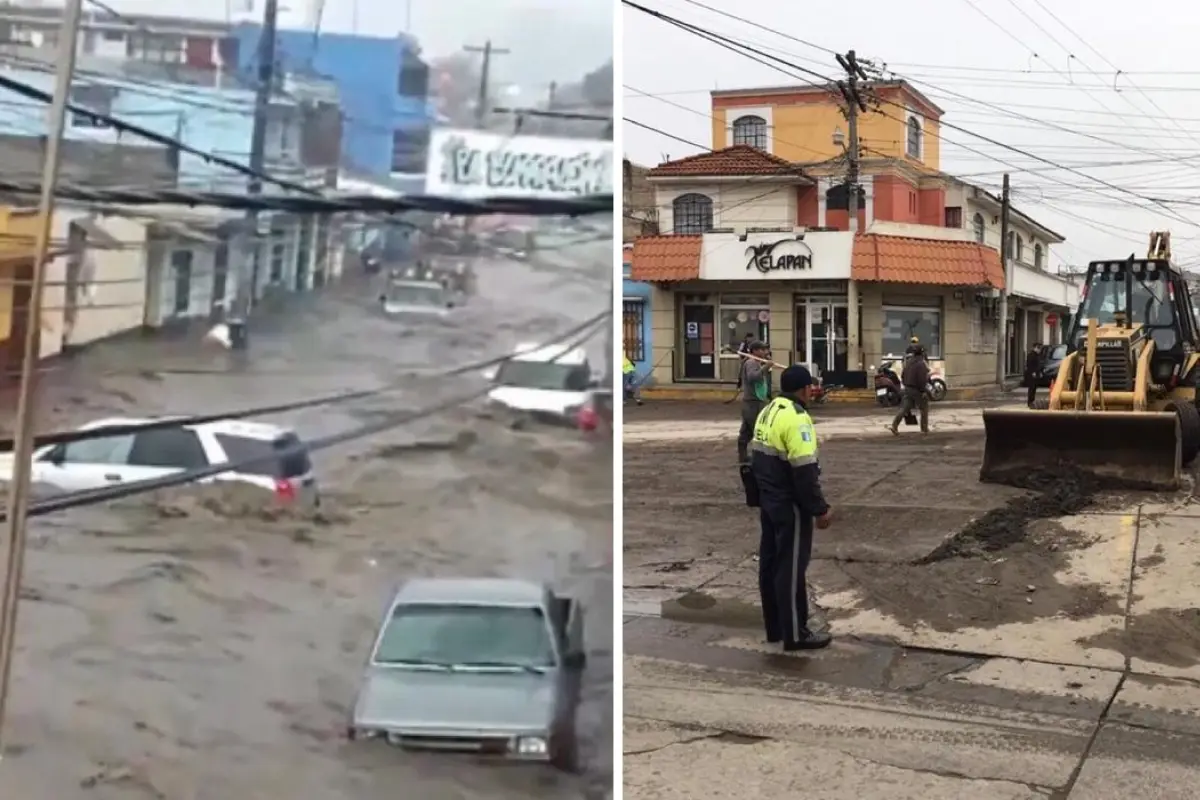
1059	491
1002	567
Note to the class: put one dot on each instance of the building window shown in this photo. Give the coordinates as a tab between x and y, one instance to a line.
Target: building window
741	316
410	150
1038	256
181	267
1018	252
633	320
954	217
981	328
837	198
914	138
693	214
751	131
901	323
94	97
278	251
980	227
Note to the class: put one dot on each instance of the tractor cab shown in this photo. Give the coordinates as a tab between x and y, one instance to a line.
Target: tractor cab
1134	301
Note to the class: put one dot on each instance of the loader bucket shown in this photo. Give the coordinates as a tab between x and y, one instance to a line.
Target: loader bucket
1138	448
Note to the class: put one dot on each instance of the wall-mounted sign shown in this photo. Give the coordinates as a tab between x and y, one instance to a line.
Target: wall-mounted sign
466	163
821	258
693	330
784	255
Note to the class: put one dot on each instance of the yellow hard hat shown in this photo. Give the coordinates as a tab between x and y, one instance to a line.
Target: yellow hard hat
914	340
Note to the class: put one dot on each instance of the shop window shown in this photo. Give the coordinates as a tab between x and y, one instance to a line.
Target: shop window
980	227
693	214
750	131
901	323
742	316
633	320
981	329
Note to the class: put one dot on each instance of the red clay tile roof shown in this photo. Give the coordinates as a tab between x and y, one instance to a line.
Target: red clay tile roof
741	159
900	259
666	258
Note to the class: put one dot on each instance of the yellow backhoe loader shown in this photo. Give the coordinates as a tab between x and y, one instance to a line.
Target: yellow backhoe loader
1124	404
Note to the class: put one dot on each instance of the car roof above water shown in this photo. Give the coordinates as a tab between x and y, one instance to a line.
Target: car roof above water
470	591
227	427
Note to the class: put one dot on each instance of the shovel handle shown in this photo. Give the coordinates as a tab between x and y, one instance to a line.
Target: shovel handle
762	360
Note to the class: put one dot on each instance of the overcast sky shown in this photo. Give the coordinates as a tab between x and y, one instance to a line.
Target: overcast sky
549	39
1061	74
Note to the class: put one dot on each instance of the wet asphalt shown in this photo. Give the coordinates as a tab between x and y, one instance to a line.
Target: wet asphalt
189	645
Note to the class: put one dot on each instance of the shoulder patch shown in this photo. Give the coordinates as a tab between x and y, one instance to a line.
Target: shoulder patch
806	435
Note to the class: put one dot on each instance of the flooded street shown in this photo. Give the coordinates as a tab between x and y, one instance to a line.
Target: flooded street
193	645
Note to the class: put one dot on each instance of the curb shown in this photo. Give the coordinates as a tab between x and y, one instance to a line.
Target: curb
701	394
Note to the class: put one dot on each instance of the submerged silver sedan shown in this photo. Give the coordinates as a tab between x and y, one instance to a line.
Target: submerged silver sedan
488	666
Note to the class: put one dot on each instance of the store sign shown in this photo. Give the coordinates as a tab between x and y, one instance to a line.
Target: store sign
820	257
785	255
472	164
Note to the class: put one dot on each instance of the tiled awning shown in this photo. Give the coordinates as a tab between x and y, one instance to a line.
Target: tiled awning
940	262
658	259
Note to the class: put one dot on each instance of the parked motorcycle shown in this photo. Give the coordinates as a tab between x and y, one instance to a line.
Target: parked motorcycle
937	385
887	384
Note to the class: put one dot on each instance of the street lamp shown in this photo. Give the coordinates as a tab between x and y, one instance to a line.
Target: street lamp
839	138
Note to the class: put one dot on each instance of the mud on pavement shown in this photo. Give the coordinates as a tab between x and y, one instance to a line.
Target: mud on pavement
916	536
198	644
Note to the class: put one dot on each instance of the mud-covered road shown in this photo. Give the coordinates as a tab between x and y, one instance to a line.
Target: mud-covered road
990	641
191	646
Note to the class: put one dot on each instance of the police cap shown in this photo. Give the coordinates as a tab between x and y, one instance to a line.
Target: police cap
795	378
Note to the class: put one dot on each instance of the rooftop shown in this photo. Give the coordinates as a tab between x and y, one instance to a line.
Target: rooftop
736	161
817	88
470	591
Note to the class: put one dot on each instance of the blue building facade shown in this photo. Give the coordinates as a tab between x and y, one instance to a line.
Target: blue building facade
383	85
635	320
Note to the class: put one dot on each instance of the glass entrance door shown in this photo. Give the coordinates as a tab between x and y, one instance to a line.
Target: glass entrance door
699	344
822	335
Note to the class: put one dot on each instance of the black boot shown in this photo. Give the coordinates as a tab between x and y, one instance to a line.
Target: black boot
809	640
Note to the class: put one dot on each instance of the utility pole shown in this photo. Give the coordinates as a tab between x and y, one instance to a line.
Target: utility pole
18	490
1006	263
247	279
485	77
855	103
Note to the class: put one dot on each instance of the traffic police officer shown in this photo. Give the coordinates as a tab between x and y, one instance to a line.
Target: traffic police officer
787	475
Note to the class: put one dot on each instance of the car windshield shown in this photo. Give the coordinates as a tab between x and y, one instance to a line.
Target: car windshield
548	375
415	294
1058	353
516	636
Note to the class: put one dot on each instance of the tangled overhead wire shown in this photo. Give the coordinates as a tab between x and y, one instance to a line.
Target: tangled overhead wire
567	340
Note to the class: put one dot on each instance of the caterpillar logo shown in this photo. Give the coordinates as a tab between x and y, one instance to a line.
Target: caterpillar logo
1109	343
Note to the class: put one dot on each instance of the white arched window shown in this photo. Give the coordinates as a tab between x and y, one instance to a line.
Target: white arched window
692	214
980	228
914	138
750	130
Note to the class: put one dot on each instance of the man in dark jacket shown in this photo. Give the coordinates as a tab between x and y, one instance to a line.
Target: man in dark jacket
791	503
1033	373
755	381
915	380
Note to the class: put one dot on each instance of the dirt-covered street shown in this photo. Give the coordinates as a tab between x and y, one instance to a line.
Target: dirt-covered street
193	645
991	641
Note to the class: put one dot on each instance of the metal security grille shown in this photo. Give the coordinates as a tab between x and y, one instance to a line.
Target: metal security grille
632	319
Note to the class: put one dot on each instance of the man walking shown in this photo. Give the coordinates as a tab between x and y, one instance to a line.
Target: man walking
1033	373
915	381
754	378
787	474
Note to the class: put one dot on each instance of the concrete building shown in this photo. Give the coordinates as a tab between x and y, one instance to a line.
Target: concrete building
1041	301
383	86
639	214
636	330
742	260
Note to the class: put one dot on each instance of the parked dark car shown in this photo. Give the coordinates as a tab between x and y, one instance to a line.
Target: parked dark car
1050	362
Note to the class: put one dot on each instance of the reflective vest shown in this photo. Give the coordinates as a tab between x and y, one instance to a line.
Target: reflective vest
785	431
628	368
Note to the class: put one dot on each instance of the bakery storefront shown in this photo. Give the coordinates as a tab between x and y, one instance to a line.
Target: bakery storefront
793	291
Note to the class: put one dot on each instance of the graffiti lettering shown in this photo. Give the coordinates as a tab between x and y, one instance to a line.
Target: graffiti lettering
512	169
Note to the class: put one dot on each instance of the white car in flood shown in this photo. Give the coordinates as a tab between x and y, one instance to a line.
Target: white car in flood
416	297
551	381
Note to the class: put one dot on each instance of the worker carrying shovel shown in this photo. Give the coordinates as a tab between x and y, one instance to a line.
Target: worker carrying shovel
915	380
754	378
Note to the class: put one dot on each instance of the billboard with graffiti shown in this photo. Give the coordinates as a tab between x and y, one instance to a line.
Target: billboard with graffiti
469	163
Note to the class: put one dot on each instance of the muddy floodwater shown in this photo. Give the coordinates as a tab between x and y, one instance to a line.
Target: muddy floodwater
199	644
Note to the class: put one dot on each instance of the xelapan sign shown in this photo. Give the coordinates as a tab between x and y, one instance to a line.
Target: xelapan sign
467	164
